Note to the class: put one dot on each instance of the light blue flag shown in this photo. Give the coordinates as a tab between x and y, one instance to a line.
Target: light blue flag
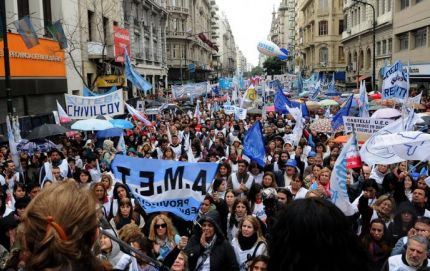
253	144
27	32
337	120
338	186
165	185
364	103
137	80
87	92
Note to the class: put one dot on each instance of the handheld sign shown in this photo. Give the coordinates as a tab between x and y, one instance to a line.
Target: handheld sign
164	185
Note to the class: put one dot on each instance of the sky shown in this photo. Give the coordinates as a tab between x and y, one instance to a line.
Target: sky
250	23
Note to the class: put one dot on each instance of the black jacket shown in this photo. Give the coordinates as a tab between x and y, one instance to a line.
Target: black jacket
222	256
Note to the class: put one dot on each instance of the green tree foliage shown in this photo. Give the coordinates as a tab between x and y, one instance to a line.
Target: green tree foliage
257	71
273	65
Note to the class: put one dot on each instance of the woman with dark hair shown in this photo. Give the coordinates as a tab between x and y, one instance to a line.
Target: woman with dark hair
297	187
403	221
85	179
120	191
255	200
315	228
240	209
230	198
224	171
219	188
259	263
125	215
19	192
377	243
403	189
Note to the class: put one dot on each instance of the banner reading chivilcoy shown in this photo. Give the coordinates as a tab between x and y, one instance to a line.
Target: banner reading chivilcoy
79	107
164	185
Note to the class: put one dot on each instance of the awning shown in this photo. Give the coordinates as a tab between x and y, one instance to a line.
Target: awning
361	78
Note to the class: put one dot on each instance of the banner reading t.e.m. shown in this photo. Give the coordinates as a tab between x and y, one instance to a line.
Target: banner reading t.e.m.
79	107
164	185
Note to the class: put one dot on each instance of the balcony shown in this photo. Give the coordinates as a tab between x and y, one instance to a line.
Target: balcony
95	49
175	9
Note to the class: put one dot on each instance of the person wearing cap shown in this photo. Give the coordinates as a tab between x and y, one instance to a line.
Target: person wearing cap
56	159
208	249
311	162
284	177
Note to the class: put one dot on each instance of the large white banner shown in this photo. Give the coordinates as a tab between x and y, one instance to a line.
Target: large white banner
80	107
188	90
364	125
395	82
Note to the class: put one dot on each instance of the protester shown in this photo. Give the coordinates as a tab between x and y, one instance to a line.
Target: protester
249	242
51	237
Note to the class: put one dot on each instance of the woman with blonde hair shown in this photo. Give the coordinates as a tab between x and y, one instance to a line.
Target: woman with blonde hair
60	234
163	235
249	242
383	208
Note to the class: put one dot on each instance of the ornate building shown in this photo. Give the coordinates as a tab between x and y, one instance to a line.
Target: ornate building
321	32
227	50
358	42
190	40
146	21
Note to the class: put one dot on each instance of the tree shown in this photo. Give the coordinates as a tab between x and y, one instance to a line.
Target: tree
98	32
273	65
257	71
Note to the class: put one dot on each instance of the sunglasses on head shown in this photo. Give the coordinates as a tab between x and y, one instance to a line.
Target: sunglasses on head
160	226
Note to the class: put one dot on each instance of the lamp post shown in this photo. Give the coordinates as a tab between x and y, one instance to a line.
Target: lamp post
374	43
6	58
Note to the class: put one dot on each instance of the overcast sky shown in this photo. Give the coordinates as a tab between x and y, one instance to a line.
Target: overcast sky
250	22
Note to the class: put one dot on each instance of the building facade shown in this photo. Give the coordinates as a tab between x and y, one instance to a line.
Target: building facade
357	40
227	50
411	42
38	74
146	22
240	62
190	41
321	27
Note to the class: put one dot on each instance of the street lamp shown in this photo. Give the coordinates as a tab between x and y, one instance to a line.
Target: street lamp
374	44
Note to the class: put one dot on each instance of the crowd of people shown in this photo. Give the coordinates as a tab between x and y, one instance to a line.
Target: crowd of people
276	217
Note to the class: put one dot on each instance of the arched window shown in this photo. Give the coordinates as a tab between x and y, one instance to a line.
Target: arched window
323	28
324	55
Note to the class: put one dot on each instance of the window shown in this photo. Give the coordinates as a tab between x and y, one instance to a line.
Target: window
404	4
417	1
323	28
341	55
105	28
378	48
420	37
324	56
23	8
323	5
384	47
340	27
390	46
403	42
90	25
175	51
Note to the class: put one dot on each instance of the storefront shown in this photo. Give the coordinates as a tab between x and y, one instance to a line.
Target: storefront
38	76
420	77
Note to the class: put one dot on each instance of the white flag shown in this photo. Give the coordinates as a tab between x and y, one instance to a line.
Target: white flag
338	186
121	145
372	153
408	145
64	118
298	128
137	115
364	111
12	145
414	100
